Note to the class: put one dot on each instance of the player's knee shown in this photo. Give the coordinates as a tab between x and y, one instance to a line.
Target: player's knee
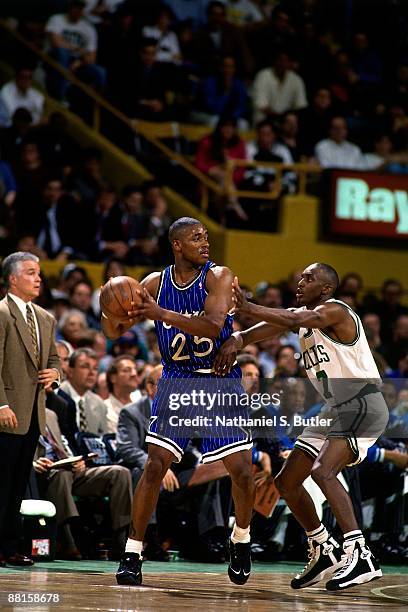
283	485
155	469
322	474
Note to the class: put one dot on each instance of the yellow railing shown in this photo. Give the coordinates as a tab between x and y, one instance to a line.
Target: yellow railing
154	133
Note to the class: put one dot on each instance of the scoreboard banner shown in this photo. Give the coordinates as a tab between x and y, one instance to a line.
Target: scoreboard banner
367	205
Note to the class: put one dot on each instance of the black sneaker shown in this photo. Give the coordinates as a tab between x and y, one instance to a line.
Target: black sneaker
360	567
130	569
239	568
324	560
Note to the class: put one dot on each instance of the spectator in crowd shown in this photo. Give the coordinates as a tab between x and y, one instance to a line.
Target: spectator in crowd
266	145
61	485
64	350
144	95
87	412
69	276
390	308
336	151
107	230
57	223
132	427
277	89
122	380
384	158
74	44
8	185
287	363
81	298
71	326
101	386
12	137
31	174
19	93
137	226
168	48
342	84
289	128
156	207
314	121
367	67
87	180
218	38
113	267
213	152
222	94
57	145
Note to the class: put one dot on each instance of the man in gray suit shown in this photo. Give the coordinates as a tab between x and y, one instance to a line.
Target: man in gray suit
29	364
132	429
87	411
61	485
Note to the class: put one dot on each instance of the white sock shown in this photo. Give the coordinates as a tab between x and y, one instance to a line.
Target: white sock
239	535
134	546
350	538
319	535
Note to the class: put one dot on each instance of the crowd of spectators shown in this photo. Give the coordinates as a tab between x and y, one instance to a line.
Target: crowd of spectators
105	403
55	199
331	85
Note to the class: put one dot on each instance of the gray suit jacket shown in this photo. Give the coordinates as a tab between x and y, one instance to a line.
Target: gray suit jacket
132	429
18	369
95	411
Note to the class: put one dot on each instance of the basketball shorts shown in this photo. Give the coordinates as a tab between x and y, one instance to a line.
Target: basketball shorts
203	407
361	421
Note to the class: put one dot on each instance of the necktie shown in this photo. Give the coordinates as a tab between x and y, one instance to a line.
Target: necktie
58	450
33	334
83	425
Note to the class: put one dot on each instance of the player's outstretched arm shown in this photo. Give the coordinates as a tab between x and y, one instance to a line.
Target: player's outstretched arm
325	315
217	304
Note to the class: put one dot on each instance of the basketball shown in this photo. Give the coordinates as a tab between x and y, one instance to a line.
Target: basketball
117	294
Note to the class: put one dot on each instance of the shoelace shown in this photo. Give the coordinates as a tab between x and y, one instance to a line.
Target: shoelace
348	557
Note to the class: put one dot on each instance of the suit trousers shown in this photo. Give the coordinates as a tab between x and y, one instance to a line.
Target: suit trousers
111	480
16	460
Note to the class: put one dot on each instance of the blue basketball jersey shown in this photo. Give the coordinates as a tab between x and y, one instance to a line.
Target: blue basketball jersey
182	352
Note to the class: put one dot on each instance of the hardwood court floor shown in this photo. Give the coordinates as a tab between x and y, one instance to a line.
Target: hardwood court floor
182	586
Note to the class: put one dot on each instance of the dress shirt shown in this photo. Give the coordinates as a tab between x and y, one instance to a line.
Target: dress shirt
331	154
74	395
114	407
55	239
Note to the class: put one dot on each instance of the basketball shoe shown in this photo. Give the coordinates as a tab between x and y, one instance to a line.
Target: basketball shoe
239	568
324	560
130	569
360	566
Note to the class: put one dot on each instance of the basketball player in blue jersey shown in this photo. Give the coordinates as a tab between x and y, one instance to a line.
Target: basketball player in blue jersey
190	303
339	363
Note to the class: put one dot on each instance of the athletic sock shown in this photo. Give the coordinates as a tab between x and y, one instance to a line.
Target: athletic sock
350	538
319	535
240	536
134	546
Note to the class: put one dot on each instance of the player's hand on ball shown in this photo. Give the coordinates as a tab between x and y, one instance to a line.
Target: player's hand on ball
170	482
147	309
227	355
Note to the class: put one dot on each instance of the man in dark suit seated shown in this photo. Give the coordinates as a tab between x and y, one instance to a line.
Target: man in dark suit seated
60	485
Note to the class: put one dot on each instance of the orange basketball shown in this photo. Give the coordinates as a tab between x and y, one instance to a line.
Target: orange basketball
117	294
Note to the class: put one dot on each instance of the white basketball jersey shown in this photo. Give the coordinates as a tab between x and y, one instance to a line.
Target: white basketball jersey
338	370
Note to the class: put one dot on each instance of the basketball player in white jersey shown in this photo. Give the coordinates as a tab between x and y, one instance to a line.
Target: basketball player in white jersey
339	363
